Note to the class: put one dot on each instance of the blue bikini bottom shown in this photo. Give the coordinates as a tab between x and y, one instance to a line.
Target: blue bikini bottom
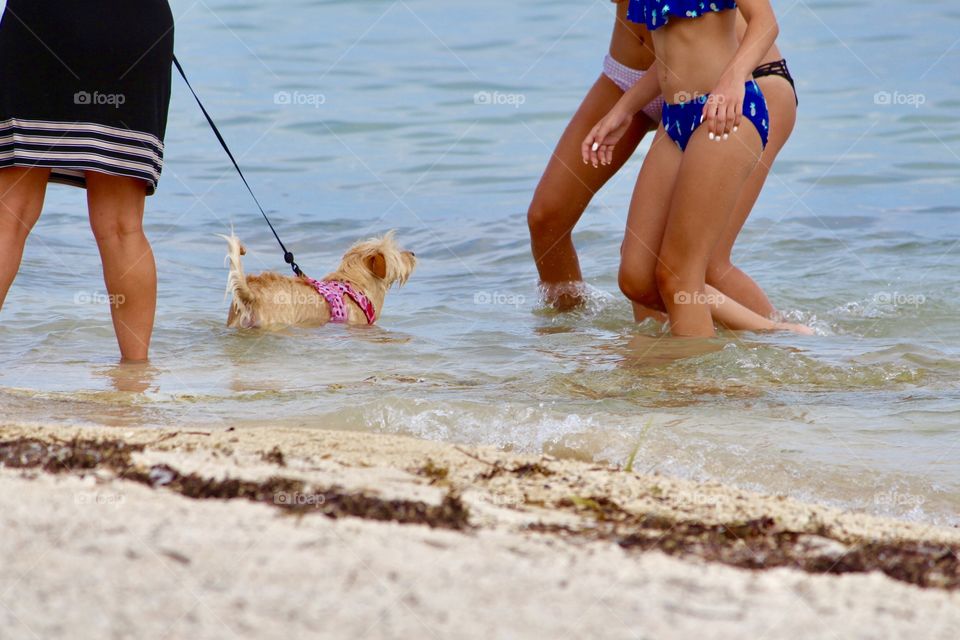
682	119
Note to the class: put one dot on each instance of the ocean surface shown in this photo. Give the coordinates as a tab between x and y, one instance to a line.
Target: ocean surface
436	119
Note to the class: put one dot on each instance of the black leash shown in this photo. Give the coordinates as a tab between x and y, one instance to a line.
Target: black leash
287	255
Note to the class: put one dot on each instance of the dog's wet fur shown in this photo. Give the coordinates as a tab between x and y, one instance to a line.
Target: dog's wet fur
271	300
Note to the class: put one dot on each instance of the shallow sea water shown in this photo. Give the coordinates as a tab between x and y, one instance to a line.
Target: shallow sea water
352	118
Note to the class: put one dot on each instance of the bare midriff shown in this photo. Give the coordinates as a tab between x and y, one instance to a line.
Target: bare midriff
630	43
693	53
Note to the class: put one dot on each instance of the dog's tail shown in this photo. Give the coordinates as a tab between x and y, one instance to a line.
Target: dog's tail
237	280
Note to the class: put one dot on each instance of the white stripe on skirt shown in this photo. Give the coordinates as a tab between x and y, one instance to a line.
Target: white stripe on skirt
69	149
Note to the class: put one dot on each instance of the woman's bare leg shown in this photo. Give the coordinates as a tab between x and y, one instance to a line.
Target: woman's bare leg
708	186
641	268
721	272
565	190
22	191
649	207
129	271
734	315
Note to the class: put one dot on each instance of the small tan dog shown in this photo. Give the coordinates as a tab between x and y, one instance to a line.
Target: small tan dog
353	294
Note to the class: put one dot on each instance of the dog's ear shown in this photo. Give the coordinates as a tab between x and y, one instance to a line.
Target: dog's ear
377	264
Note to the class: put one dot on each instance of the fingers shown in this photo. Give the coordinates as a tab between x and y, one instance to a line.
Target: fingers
729	115
606	145
601	151
733	110
595	157
722	116
732	119
710	118
590	146
720	124
594	150
605	153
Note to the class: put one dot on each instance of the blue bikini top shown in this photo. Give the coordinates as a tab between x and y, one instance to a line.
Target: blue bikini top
656	13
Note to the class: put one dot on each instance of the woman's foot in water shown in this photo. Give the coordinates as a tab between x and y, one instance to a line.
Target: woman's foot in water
801	329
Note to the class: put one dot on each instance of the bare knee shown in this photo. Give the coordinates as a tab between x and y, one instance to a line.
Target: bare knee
116	207
14	225
548	219
110	227
640	288
538	219
672	282
18	215
17	220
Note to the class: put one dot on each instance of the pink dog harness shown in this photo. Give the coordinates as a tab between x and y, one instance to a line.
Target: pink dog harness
333	292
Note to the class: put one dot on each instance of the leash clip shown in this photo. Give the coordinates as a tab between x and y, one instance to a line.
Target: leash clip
288	258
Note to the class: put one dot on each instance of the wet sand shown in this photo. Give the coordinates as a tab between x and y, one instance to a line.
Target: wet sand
284	532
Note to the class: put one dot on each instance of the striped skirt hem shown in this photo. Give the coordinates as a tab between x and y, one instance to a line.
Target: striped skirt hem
70	149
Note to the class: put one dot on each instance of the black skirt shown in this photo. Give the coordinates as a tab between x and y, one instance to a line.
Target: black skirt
85	86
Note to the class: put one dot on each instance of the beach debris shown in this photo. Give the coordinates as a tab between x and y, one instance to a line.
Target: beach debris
174	434
761	543
274	456
628	467
433	471
291	495
176	556
161	475
57	456
522	470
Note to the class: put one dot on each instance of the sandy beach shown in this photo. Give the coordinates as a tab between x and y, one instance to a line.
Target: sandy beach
281	532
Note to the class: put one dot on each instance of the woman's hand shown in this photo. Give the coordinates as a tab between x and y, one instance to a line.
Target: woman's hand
724	108
598	146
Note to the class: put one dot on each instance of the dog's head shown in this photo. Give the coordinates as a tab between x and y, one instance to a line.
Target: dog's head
376	264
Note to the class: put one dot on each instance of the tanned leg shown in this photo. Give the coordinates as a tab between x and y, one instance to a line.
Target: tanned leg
721	272
565	190
645	224
708	186
22	191
116	216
